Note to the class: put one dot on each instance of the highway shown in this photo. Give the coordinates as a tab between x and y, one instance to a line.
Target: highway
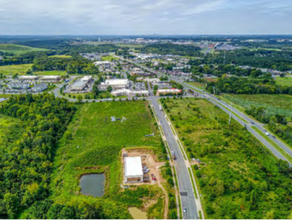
183	177
227	108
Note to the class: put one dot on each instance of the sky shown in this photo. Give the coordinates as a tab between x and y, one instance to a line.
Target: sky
139	17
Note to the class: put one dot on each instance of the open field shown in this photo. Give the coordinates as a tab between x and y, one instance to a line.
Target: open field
45	73
274	104
284	81
61	56
15	69
197	84
18	49
93	144
108	58
235	168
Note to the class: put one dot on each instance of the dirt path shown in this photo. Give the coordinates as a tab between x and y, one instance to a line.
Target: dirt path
166	201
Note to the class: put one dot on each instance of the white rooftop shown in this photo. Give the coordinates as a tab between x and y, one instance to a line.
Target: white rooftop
115	82
86	78
28	77
50	77
133	167
102	62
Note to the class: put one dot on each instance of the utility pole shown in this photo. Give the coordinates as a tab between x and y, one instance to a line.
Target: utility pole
230	115
224	57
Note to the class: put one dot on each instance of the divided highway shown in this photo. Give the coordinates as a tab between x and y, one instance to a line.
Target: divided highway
183	177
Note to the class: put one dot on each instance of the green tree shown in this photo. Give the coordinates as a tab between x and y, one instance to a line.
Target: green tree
109	89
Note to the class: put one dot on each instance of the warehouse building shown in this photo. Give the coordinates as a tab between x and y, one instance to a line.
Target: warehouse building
103	64
128	92
28	78
40	87
17	85
50	79
133	169
114	83
168	91
82	83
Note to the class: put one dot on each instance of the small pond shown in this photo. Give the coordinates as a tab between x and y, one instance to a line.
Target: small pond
92	184
137	213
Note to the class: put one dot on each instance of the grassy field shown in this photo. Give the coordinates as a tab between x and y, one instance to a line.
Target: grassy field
236	171
284	81
18	49
109	58
61	56
196	84
274	104
13	69
93	144
45	73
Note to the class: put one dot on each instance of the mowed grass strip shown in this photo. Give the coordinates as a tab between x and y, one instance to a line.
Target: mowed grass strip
49	73
284	153
15	69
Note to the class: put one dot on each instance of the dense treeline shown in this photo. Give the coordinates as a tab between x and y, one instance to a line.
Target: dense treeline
26	163
74	65
171	49
247	86
87	48
271	59
219	70
24	58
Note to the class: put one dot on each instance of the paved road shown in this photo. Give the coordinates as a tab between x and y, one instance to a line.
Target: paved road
184	181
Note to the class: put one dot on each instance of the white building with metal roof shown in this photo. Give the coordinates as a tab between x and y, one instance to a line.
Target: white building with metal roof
133	169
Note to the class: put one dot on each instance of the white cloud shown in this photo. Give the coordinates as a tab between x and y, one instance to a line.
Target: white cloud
139	16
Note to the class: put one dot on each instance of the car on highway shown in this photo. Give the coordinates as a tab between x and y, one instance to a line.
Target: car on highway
267	134
185	209
252	122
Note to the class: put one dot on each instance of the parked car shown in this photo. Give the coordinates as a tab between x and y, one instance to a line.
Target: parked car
185	209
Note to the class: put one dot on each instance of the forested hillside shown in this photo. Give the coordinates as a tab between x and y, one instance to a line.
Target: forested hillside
26	162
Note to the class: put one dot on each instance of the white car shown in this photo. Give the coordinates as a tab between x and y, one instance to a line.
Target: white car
267	134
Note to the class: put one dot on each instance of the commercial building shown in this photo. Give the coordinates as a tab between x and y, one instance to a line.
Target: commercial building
168	91
133	169
128	92
103	64
87	79
114	83
40	87
162	85
28	78
82	83
18	85
50	79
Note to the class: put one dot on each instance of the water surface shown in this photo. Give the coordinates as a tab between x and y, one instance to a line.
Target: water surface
92	184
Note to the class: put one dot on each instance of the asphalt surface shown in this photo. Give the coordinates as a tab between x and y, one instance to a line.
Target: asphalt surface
183	177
